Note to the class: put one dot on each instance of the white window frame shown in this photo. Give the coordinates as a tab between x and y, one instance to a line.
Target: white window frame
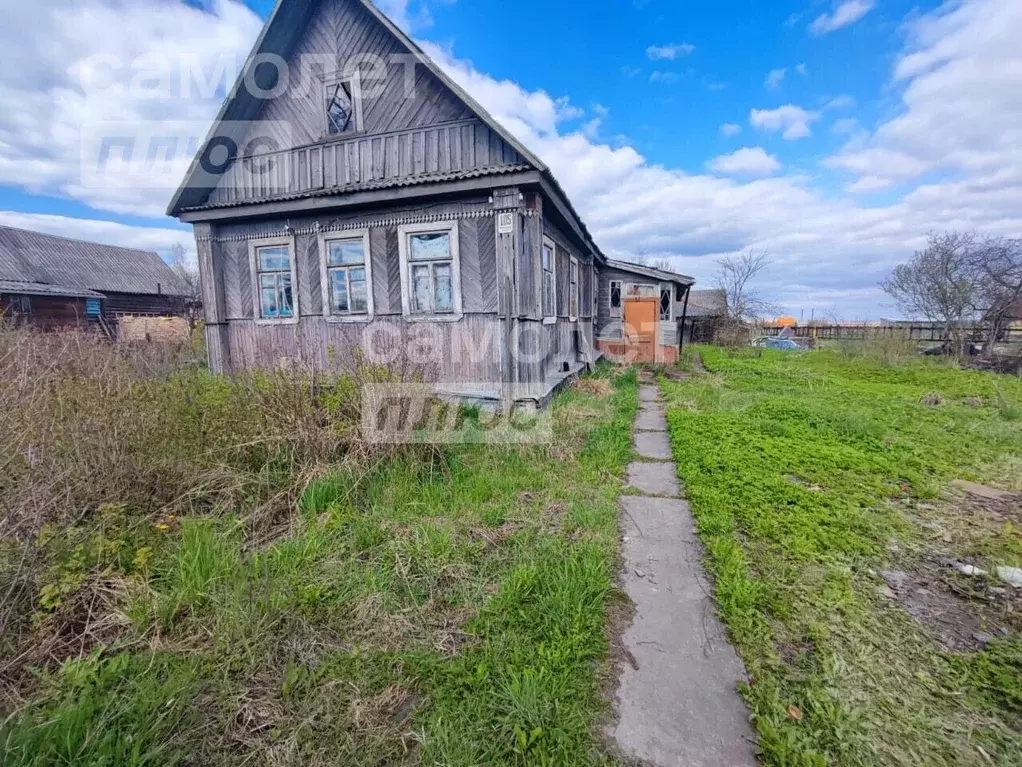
403	233
669	287
616	311
325	238
654	288
548	319
253	260
354	79
573	290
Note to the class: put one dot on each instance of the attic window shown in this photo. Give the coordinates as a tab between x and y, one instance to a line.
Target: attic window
343	96
665	303
615	298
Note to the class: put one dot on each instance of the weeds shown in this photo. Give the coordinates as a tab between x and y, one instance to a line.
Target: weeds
796	562
304	601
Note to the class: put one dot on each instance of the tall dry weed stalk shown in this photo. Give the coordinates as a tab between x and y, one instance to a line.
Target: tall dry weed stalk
88	424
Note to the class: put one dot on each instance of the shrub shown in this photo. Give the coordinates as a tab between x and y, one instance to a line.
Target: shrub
149	432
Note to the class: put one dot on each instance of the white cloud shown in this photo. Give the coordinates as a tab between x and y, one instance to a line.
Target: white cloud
46	110
848	12
793	121
845	126
592	126
775	77
730	129
840	102
801	69
160	239
664	77
748	161
669	52
951	154
961	101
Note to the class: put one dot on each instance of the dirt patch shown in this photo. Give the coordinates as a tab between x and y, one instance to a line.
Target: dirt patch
961	606
598	387
676	375
804	483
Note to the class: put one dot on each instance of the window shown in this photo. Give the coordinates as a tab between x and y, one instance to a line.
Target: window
549	281
594	283
93	307
640	290
346	276
343	101
430	270
665	303
273	274
573	289
615	298
23	304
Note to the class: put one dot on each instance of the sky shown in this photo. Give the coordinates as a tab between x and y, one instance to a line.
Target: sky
831	134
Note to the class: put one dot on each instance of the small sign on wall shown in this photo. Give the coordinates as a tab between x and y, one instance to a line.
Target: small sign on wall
505	223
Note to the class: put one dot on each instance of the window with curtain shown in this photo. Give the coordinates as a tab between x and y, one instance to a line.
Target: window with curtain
549	281
615	298
274	277
573	289
431	273
347	277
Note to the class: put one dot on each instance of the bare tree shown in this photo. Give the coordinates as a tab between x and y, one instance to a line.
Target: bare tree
185	270
997	266
188	273
660	263
941	283
734	275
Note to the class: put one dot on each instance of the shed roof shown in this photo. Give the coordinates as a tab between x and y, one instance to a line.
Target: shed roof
706	303
41	289
650	271
35	258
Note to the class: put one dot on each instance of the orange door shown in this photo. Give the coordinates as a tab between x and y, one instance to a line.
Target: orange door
641	332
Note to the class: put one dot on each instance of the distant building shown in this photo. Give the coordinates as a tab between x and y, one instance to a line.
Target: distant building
55	282
706	309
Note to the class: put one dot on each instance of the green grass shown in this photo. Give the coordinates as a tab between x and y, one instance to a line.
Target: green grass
448	608
805	473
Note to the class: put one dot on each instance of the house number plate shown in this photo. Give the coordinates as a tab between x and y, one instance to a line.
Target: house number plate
505	223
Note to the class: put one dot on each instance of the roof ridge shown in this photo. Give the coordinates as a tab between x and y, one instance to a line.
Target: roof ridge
80	241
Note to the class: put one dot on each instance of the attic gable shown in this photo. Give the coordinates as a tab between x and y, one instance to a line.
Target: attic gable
311	36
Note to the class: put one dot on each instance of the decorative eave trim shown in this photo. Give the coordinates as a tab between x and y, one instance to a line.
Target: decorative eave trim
393	221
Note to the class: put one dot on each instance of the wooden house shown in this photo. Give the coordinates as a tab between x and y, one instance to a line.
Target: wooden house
54	282
641	312
351	196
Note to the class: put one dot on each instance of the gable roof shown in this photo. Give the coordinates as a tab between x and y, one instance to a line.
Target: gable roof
279	34
706	303
46	264
650	271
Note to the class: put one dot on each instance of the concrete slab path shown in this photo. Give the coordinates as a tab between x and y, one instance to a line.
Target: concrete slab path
678	703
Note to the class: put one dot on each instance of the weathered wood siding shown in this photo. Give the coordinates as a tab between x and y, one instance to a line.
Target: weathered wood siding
464	351
406	132
608	327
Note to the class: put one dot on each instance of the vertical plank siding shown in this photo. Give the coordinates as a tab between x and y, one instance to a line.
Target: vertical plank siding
405	133
361	160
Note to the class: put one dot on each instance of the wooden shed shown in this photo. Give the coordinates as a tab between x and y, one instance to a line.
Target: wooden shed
55	282
641	312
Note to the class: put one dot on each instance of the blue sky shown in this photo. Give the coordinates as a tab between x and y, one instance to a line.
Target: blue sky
833	134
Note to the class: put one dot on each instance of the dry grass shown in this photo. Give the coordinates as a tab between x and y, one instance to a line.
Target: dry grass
106	447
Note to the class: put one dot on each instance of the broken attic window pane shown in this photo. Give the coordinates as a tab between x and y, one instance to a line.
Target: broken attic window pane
340	109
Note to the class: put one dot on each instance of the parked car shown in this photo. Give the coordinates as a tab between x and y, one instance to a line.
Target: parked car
782	344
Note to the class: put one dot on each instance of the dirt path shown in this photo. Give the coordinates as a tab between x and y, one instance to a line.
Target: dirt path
677	702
